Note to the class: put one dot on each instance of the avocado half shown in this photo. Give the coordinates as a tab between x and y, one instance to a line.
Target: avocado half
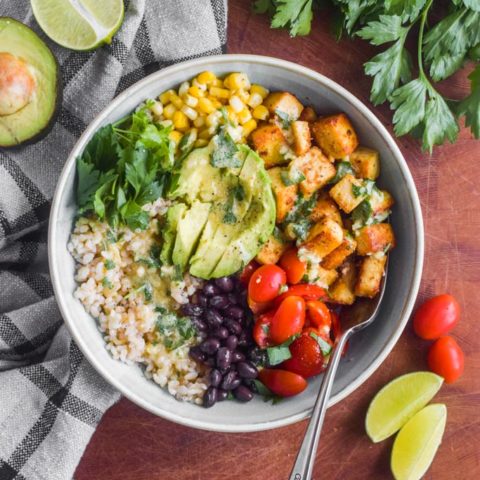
30	86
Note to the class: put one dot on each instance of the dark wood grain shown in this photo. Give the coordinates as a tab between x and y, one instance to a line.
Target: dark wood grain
132	444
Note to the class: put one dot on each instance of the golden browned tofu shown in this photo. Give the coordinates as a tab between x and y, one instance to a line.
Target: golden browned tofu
325	208
285	103
335	135
325	277
370	276
285	196
366	163
308	115
271	251
302	139
380	201
318	171
323	238
270	143
344	193
375	238
342	292
338	256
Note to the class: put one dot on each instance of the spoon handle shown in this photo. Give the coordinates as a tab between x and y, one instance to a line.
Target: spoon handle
303	467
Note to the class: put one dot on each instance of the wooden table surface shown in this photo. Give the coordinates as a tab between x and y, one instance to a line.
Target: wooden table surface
132	444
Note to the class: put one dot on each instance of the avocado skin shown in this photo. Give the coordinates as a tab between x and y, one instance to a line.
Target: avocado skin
58	97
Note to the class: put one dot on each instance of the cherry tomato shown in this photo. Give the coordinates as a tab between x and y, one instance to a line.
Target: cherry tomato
259	307
319	316
261	329
336	327
293	266
446	358
247	272
306	291
266	282
282	382
288	320
307	358
436	317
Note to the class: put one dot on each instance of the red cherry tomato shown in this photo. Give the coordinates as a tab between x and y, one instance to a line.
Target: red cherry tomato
293	266
446	358
319	316
307	358
288	320
436	317
261	329
282	382
259	307
306	291
266	282
247	272
336	327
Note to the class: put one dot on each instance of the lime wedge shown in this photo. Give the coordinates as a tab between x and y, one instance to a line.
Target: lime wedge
79	24
398	401
417	443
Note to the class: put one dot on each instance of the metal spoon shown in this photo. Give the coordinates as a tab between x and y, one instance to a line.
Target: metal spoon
356	318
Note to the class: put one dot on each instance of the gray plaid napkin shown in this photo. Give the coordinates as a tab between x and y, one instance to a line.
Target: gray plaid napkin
50	398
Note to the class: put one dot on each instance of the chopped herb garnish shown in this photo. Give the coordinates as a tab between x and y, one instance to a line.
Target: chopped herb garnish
362	213
109	264
342	169
363	190
266	393
292	176
285	118
106	283
280	353
225	152
175	330
325	347
147	291
111	236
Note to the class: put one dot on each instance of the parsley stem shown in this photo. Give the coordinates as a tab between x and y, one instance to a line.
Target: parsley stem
423	20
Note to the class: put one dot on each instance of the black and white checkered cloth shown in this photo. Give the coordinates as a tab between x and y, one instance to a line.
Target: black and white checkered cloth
50	398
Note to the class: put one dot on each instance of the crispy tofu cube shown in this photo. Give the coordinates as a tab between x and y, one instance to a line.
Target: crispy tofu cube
270	143
338	256
366	163
344	194
284	102
316	169
325	277
302	138
335	135
285	196
380	201
323	238
271	250
325	208
370	276
375	238
308	115
342	292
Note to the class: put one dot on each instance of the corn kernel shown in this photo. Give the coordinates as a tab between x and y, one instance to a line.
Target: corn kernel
193	134
175	136
219	92
196	92
204	134
165	96
254	100
236	104
260	112
249	127
244	116
201	86
206	77
190	112
218	82
199	121
190	101
235	81
213	119
205	106
177	101
216	103
169	110
262	91
201	142
243	95
157	109
183	89
180	121
232	115
166	123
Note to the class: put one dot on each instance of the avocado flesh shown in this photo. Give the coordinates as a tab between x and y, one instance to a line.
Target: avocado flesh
35	117
174	215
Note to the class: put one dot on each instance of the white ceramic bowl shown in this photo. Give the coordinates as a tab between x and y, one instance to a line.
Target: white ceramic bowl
368	349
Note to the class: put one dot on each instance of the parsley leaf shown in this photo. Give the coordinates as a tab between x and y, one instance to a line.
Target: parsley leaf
266	393
387	28
109	264
296	15
285	118
280	353
362	213
363	190
342	169
407	9
106	283
470	106
325	347
292	176
174	330
225	153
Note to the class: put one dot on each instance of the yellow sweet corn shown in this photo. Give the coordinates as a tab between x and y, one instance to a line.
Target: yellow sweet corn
219	92
236	104
205	106
189	112
190	100
199	121
206	77
260	112
254	100
236	81
244	116
260	90
165	96
218	82
157	109
180	121
183	89
201	142
169	110
249	127
196	92
177	101
175	136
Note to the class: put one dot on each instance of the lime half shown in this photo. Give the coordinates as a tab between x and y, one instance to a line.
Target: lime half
398	401
418	442
79	24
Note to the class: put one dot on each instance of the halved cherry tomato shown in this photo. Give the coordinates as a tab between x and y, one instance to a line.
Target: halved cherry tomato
266	282
261	329
446	358
293	266
282	382
307	358
436	317
319	316
336	327
288	320
259	307
247	272
305	290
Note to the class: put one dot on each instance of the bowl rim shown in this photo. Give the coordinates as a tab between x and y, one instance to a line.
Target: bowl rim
203	63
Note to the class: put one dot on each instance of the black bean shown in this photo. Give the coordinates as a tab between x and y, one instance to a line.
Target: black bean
210	290
220	332
256	355
221	395
230	381
219	301
238	357
235	312
197	354
202	300
215	377
224	358
210	362
210	397
199	325
231	342
214	319
233	326
243	393
210	345
226	284
242	339
247	370
191	310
